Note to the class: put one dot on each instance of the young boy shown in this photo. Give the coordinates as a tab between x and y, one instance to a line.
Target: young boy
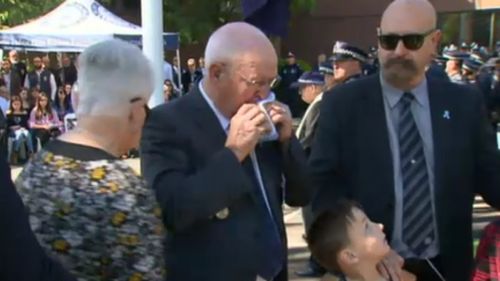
344	240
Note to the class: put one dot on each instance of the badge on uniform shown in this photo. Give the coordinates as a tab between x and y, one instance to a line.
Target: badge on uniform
45	78
222	214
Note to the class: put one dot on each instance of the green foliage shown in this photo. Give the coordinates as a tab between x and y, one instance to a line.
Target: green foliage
298	6
450	28
304	65
194	19
14	12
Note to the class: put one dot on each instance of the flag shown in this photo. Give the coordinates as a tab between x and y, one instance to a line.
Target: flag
270	16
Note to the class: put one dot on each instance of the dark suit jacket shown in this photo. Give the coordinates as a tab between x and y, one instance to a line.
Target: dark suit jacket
352	158
21	69
187	79
21	257
194	176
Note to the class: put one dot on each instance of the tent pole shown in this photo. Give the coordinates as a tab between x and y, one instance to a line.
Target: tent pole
152	44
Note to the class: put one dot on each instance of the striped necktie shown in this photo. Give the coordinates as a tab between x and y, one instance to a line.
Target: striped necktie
418	221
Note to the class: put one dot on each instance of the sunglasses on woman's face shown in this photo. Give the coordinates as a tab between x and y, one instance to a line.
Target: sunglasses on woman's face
411	42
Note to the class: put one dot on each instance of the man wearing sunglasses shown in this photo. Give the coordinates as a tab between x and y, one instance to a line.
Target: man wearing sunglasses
348	62
411	148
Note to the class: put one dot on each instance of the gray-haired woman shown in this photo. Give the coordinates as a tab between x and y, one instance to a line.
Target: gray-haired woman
88	207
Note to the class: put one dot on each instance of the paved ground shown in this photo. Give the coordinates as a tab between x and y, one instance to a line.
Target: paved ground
298	253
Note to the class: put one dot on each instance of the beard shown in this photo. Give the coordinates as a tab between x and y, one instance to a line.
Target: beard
399	71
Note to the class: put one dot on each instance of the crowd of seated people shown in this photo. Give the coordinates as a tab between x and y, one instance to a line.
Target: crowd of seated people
32	119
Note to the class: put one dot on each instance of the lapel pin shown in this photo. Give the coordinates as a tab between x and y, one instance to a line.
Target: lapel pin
222	214
446	115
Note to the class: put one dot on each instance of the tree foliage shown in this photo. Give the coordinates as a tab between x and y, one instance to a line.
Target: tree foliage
14	12
194	19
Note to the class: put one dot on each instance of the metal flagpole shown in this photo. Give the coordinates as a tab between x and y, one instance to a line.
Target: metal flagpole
179	72
152	44
492	31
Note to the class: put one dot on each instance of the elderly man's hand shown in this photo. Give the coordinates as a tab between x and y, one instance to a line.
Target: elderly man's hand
246	128
391	266
282	118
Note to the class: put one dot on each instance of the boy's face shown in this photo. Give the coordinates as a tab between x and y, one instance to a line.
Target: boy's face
367	240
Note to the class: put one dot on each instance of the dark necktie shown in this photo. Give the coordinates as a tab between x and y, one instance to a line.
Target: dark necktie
418	221
272	260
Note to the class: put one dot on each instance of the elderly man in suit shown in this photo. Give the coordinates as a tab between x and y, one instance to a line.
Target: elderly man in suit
219	175
413	149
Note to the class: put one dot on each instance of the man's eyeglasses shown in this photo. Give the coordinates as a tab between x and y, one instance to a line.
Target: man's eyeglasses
411	42
147	110
259	84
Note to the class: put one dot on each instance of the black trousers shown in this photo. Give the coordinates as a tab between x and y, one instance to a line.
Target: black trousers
423	270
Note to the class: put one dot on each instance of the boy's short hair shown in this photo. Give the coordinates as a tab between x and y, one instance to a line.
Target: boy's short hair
328	235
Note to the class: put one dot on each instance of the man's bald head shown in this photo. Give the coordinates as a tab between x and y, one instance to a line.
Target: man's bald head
234	40
403	16
240	66
408	41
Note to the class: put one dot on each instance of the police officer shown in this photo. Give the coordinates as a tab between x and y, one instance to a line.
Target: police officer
326	69
436	68
489	83
372	66
454	65
470	69
289	74
348	62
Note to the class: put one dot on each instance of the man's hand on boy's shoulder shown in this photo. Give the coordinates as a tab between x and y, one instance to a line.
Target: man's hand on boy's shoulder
391	267
407	276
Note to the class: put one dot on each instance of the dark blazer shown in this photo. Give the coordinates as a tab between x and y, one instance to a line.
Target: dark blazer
21	69
195	177
187	79
351	158
21	257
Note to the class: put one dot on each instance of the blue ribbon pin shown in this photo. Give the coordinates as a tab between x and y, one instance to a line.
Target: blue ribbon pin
446	115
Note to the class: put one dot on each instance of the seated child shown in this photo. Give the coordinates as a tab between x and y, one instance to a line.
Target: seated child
344	240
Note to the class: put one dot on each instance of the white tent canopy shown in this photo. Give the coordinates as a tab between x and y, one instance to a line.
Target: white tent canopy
74	25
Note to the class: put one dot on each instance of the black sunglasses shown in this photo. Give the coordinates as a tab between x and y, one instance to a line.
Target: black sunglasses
147	110
412	41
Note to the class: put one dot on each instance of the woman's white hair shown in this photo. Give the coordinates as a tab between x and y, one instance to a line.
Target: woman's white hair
110	74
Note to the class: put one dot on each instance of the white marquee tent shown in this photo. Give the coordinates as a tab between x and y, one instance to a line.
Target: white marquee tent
74	25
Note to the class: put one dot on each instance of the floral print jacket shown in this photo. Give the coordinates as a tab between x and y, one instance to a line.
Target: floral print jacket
96	217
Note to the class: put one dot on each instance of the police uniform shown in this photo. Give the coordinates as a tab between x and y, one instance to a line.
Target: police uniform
289	74
326	69
452	54
344	51
472	67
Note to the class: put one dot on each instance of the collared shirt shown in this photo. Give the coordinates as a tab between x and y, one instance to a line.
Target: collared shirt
224	122
421	112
